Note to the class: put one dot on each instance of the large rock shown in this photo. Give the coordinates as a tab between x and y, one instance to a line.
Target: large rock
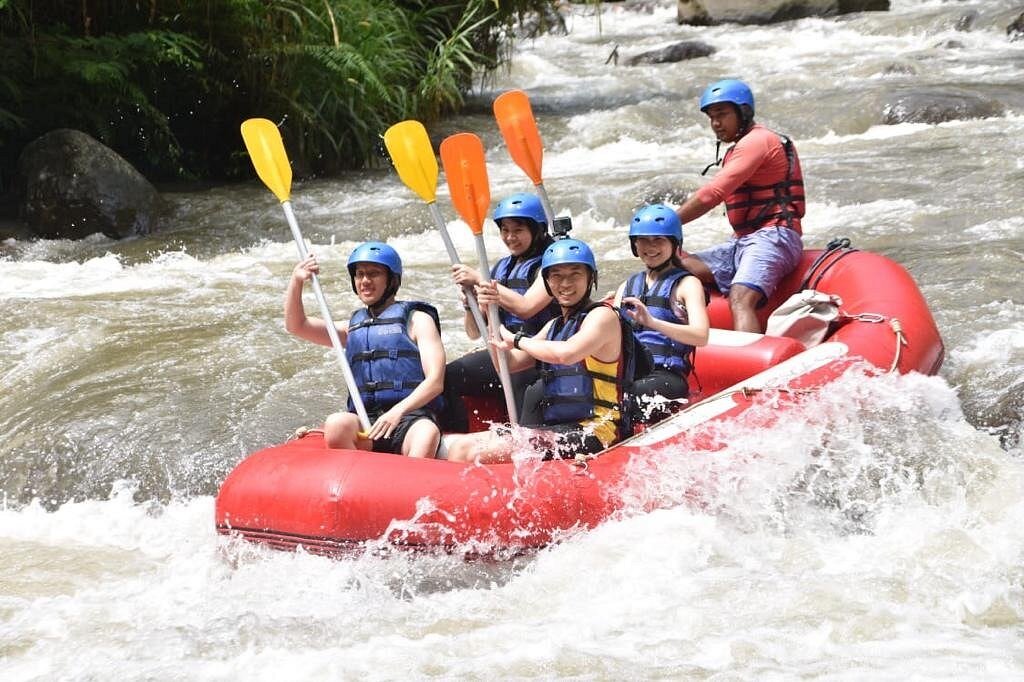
1015	31
75	186
676	52
708	12
938	105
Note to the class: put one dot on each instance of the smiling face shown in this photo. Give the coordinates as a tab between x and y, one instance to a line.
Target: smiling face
516	234
654	251
371	280
568	283
725	120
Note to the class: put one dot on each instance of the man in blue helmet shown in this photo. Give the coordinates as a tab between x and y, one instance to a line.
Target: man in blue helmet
581	361
761	183
668	307
394	350
524	305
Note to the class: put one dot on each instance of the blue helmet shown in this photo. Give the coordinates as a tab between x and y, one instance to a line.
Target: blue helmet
567	252
656	220
522	205
729	90
381	254
734	92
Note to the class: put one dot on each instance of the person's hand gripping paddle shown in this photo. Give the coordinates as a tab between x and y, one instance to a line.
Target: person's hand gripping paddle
409	146
266	149
465	170
518	127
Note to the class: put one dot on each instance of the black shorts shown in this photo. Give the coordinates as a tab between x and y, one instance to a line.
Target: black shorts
393	443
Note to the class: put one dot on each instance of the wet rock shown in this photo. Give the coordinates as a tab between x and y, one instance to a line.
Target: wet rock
677	52
709	12
75	186
899	69
966	21
936	106
1005	417
1015	31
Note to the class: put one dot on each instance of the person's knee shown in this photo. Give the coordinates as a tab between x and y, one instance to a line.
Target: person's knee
460	449
422	439
340	429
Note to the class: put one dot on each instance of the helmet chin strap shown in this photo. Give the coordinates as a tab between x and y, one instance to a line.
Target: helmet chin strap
664	264
716	162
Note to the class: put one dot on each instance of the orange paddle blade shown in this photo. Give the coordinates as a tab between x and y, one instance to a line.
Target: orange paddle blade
410	150
465	169
518	127
266	150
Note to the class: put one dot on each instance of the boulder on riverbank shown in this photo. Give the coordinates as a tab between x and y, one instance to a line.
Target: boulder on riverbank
74	186
710	12
937	106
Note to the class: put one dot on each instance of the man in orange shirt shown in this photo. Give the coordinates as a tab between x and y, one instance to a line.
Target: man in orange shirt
762	186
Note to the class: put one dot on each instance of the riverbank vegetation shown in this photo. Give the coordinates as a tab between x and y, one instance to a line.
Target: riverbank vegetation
166	83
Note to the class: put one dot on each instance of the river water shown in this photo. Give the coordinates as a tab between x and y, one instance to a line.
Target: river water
881	537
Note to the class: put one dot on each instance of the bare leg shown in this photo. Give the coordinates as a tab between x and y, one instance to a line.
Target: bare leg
340	430
484	447
421	439
743	303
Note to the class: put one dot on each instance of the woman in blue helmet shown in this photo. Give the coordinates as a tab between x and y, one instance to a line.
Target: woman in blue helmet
524	305
395	352
761	184
581	362
667	306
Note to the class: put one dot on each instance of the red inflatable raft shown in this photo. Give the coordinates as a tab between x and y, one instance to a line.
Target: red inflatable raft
301	493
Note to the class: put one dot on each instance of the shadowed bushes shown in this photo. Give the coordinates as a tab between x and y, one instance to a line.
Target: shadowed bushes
167	82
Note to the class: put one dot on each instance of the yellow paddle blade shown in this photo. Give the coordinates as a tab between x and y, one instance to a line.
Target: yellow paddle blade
465	170
266	149
410	150
518	127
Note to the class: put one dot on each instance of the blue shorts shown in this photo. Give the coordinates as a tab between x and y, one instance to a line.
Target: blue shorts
758	260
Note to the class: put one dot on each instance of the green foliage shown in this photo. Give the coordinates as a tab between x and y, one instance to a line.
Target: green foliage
167	83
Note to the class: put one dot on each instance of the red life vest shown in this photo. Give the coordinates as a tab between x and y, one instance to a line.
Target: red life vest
751	207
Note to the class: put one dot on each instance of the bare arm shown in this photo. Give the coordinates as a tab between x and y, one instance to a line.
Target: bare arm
295	320
600	335
526	305
424	333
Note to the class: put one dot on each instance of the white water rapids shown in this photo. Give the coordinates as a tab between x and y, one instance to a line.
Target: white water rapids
879	537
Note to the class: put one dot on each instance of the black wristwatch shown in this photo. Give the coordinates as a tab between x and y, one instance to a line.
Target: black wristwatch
516	339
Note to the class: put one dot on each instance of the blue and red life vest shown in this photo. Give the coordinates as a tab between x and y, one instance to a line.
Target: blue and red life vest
665	352
385	361
518	274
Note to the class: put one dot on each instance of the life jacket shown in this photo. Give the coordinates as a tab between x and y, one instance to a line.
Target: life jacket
665	352
518	274
385	361
751	207
588	392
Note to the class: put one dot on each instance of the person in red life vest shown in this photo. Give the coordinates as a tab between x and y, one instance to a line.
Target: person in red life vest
581	361
667	307
524	305
394	350
762	186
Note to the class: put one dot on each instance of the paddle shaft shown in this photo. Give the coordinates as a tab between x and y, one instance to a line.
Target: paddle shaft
453	255
546	203
325	312
492	314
